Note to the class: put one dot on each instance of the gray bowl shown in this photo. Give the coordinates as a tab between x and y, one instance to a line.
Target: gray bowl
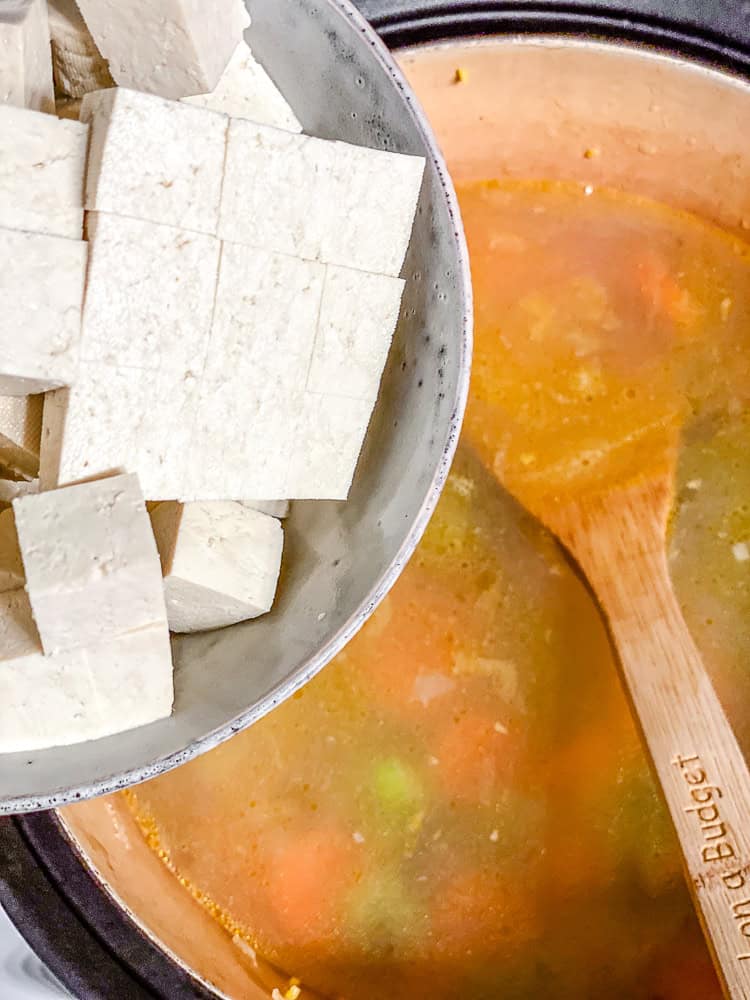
340	559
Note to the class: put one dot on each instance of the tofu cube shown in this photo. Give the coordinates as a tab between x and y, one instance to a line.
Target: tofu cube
25	58
221	563
319	200
152	159
326	446
262	338
274	508
20	432
42	166
11	567
78	67
146	327
78	695
358	315
173	48
92	569
245	90
41	289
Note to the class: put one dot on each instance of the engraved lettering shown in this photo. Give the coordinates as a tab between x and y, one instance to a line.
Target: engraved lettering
709	790
721	831
706	814
720	852
734	881
745	928
682	761
741	910
695	777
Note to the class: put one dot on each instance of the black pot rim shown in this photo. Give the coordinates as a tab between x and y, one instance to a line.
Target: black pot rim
93	948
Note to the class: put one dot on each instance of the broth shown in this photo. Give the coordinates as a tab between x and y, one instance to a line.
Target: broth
459	805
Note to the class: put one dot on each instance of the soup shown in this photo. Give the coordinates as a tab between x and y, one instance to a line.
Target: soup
459	805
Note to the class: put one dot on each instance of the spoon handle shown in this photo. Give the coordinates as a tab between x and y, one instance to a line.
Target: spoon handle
703	773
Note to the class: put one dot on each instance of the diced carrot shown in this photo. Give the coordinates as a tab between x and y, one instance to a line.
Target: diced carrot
474	756
308	875
660	288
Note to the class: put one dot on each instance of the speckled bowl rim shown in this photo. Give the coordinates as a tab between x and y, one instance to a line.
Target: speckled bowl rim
296	680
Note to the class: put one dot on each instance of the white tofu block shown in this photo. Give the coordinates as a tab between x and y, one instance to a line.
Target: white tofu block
327	444
173	48
92	570
320	200
25	58
42	165
41	290
82	694
146	327
245	90
149	294
221	563
358	316
274	508
78	67
153	159
11	489
11	567
20	432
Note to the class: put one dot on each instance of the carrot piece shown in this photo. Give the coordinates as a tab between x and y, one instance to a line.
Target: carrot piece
660	288
308	876
474	756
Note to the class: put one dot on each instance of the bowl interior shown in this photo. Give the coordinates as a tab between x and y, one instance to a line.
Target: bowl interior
340	558
665	127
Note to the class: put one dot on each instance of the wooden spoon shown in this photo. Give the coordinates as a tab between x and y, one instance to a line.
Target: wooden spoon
618	537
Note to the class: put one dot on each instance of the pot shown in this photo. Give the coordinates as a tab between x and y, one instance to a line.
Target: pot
666	99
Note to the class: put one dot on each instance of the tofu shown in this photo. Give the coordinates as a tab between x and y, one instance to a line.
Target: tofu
25	59
245	90
173	48
92	569
156	160
82	694
41	288
78	67
20	433
146	327
11	489
42	167
221	563
274	508
326	446
358	316
319	200
11	567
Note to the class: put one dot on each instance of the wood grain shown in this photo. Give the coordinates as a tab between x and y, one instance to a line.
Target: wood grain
619	541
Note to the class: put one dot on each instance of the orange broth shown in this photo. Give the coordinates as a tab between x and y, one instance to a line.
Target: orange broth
459	805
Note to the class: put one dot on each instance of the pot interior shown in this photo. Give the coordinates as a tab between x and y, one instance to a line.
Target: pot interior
527	108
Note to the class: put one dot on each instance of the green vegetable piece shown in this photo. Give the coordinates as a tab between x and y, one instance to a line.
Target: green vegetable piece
397	786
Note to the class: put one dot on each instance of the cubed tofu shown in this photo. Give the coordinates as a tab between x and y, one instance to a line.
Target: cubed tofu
326	446
92	569
12	489
358	316
42	166
78	67
20	432
274	508
12	575
41	290
81	694
153	159
221	563
25	58
146	326
173	48
247	91
319	200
